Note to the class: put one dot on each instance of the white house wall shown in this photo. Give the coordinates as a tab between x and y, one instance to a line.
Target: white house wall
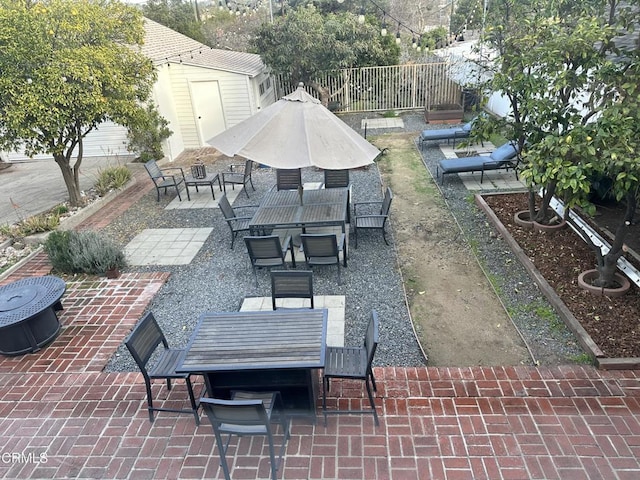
236	99
108	140
162	94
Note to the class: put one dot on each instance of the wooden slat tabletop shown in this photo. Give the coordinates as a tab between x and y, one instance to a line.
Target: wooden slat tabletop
257	340
320	207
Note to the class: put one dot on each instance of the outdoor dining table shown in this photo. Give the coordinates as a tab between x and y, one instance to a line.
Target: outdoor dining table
318	208
278	350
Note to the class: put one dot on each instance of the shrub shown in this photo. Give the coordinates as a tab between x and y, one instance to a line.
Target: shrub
84	251
112	178
146	137
45	222
59	251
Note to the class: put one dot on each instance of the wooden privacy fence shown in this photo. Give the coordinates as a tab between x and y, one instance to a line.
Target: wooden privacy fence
395	87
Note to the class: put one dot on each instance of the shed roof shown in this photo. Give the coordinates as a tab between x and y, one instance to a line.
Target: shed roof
163	44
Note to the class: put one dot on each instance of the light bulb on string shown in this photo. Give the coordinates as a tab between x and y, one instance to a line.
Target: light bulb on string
413	43
398	40
383	32
361	16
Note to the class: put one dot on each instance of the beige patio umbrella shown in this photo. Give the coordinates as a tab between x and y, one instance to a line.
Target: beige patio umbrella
296	131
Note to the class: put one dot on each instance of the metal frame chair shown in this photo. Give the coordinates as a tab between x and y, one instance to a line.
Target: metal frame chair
353	363
236	224
288	178
324	249
142	343
336	179
162	179
247	413
290	284
267	251
234	178
373	222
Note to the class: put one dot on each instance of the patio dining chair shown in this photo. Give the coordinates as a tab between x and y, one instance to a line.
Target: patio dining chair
291	284
267	251
239	175
336	179
353	363
164	178
377	221
324	249
142	343
237	224
247	413
288	178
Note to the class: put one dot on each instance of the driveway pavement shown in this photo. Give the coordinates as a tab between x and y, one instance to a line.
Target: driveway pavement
35	186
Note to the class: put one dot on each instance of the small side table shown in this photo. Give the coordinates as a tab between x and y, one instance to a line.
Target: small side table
210	179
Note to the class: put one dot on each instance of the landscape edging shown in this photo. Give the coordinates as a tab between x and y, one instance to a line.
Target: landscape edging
569	319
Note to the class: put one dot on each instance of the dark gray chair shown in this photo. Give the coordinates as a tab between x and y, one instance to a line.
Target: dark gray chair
324	249
163	179
236	223
142	343
291	284
336	179
376	221
247	413
353	363
239	175
267	251
288	179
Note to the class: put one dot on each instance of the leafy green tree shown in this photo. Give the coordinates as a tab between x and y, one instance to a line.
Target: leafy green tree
574	103
67	66
178	15
305	43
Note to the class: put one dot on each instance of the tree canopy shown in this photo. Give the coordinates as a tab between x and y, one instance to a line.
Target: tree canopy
68	66
178	15
572	89
305	43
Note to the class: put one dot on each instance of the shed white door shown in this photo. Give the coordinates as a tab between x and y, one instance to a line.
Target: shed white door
207	108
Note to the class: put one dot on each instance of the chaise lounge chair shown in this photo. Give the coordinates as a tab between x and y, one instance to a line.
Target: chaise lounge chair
500	158
455	133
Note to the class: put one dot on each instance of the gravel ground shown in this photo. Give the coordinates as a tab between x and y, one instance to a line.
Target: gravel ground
219	278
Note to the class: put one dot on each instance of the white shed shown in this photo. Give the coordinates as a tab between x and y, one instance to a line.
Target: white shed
201	91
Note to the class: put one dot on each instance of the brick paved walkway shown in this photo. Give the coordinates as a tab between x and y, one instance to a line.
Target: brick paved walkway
62	417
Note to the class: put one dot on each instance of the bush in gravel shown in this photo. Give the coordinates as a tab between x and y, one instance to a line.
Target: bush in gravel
83	251
112	178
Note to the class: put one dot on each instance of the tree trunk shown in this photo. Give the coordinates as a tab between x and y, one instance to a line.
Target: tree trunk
71	175
324	93
543	216
607	264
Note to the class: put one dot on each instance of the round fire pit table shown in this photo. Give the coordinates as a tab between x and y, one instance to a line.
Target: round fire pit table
28	319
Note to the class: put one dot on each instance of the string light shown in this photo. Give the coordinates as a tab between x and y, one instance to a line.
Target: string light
361	16
398	40
383	32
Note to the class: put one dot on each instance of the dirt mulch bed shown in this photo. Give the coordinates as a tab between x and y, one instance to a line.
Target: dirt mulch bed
613	323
